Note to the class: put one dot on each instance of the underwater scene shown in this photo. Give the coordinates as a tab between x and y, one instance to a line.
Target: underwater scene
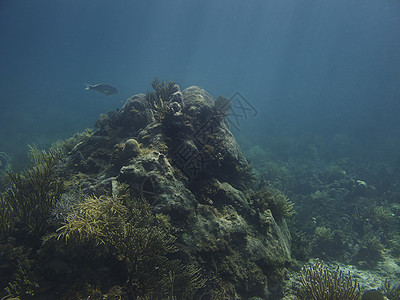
215	149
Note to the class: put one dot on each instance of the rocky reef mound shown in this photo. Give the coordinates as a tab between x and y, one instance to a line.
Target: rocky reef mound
182	158
162	201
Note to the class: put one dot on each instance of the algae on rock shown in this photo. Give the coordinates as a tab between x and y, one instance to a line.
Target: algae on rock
197	225
128	229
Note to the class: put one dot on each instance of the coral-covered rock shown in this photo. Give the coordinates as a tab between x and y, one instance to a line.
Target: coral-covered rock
197	101
190	167
152	176
135	114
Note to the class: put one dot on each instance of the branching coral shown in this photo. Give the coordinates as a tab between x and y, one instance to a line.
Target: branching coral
39	157
163	90
323	234
134	235
159	99
321	284
34	192
382	217
65	205
93	221
392	292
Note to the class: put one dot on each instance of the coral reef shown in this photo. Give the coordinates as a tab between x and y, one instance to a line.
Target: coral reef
166	99
25	282
33	193
271	198
67	145
188	166
322	284
5	166
6	217
390	291
159	202
345	211
129	230
5	162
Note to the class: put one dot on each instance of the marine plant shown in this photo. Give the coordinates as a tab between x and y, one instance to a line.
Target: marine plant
136	236
25	282
6	216
3	181
107	123
370	251
92	221
5	162
246	173
65	205
160	97
163	89
322	284
390	291
271	198
276	173
33	193
5	165
68	144
382	217
323	234
326	243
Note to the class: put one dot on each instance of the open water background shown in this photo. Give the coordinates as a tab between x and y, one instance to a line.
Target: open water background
324	68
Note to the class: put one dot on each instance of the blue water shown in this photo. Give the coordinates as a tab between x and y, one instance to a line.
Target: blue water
330	68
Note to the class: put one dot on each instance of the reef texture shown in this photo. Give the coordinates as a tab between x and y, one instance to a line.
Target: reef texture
183	159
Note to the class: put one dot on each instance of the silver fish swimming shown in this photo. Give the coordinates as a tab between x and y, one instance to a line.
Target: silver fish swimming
102	88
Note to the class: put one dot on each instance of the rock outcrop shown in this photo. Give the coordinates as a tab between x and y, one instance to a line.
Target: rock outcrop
186	163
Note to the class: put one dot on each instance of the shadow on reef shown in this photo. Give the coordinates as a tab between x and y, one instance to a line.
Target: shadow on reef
157	203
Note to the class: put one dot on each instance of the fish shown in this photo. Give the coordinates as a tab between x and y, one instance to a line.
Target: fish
102	88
